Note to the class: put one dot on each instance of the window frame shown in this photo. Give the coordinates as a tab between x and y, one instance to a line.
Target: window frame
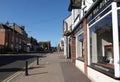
80	56
103	66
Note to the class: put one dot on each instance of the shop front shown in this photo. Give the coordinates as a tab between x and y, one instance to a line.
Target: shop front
104	38
80	48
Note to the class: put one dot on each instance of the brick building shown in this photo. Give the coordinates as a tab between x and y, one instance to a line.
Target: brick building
12	38
45	45
32	44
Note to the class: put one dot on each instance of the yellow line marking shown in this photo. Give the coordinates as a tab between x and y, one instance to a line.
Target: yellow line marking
8	79
11	77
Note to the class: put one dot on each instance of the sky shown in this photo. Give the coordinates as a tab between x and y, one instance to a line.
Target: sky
43	19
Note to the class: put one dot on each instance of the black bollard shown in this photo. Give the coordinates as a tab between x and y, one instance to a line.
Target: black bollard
26	68
37	60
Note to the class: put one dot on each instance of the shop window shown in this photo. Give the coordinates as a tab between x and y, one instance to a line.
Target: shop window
16	40
80	47
119	28
108	58
12	38
101	44
118	4
20	41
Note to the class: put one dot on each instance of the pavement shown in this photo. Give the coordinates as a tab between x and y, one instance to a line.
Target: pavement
53	67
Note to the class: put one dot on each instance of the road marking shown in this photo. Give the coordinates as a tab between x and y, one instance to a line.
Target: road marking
11	77
8	79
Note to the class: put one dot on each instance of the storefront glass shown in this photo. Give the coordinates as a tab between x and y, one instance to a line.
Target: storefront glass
118	4
119	27
80	48
101	41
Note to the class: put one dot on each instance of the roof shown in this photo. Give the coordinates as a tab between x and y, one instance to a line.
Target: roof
5	26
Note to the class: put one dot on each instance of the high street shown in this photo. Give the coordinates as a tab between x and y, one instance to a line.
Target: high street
54	67
10	64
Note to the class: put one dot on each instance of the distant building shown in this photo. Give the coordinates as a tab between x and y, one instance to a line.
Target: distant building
67	28
45	46
61	45
32	44
12	38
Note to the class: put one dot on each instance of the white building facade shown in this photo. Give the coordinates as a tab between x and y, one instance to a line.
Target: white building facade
95	39
67	26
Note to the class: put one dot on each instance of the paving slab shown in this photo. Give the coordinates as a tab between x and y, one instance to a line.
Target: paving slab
53	68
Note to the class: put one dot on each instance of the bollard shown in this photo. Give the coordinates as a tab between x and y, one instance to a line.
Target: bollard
26	68
37	60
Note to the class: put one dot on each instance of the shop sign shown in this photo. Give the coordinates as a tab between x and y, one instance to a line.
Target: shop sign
102	5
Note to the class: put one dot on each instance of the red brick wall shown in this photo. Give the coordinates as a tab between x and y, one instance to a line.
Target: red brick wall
9	38
6	36
2	37
85	45
73	49
17	38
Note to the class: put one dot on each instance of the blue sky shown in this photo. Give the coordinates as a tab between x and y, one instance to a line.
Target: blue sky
43	19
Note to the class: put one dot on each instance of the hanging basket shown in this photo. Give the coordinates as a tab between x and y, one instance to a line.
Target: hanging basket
67	33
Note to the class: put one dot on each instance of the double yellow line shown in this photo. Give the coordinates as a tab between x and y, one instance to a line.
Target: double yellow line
15	74
12	77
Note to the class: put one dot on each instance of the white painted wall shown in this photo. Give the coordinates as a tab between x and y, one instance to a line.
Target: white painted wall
80	65
61	43
68	21
96	76
67	26
65	48
75	13
87	4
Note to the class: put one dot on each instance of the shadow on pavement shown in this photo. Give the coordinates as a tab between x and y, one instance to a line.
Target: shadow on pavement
37	73
36	67
18	69
11	69
4	60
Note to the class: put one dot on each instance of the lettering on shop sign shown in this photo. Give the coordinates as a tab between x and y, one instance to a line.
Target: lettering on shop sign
102	5
100	15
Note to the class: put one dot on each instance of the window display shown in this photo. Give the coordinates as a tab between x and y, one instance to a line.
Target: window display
100	38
